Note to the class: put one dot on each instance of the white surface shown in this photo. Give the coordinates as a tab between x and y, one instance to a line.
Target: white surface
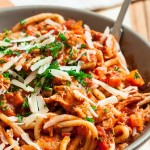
81	4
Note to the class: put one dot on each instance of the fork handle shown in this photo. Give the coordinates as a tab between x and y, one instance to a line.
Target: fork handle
116	29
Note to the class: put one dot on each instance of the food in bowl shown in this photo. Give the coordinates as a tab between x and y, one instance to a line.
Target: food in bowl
66	86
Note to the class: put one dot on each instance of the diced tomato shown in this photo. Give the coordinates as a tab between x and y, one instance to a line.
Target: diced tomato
135	78
114	79
72	24
31	30
14	98
100	73
102	143
136	120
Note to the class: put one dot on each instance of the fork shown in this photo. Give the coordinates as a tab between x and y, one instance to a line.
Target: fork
116	30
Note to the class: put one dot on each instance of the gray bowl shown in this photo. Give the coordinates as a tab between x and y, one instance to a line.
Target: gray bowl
135	49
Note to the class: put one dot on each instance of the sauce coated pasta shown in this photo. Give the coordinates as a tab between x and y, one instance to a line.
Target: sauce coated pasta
64	86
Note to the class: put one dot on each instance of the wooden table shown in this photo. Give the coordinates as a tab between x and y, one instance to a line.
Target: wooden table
137	19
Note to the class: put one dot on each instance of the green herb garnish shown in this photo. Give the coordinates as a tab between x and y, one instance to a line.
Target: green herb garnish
2	61
68	83
4	108
54	47
100	139
22	22
106	110
47	88
89	119
16	53
79	76
19	118
6	74
7	40
25	104
136	75
94	107
83	46
62	37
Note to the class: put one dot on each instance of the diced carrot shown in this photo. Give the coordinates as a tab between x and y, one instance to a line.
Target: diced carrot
18	99
102	143
135	78
136	120
114	80
100	73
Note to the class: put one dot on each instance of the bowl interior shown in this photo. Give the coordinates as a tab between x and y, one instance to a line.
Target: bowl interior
135	50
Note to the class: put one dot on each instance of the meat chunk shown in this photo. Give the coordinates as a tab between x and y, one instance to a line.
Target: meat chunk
49	143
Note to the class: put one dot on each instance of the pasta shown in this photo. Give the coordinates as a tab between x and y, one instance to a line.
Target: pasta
64	86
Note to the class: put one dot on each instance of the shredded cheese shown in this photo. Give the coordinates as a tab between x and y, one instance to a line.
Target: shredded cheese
20	63
10	63
41	63
145	101
89	39
51	22
43	68
60	74
25	39
83	96
122	61
3	43
92	111
27	139
38	89
2	146
111	89
110	100
14	74
33	103
79	56
21	85
31	77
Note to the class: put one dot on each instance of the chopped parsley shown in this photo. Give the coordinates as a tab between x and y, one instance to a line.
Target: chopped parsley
83	46
6	74
47	73
2	49
16	53
68	83
9	52
4	108
79	76
136	75
1	103
62	37
30	49
2	61
19	118
100	139
54	47
1	97
89	119
25	104
22	73
47	88
94	107
106	110
38	82
22	22
7	40
71	53
117	69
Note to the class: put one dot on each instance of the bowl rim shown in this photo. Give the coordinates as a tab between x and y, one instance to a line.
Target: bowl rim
144	136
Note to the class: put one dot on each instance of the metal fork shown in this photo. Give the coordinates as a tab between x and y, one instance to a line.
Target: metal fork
116	30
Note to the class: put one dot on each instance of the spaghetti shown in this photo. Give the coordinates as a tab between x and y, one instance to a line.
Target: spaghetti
64	86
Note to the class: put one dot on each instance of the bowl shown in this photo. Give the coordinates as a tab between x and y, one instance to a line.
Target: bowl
134	48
